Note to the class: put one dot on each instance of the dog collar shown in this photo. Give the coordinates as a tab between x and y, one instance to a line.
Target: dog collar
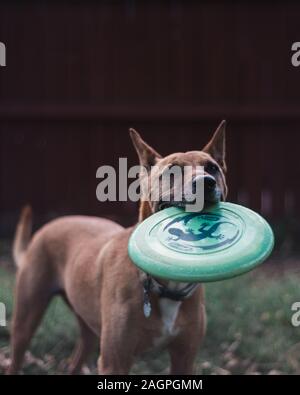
152	285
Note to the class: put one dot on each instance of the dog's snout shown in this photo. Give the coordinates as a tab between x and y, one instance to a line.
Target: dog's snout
208	181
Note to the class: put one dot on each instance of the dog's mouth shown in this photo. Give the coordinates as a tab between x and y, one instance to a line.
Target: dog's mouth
163	204
210	199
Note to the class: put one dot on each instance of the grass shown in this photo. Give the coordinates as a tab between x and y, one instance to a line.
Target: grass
250	321
249	330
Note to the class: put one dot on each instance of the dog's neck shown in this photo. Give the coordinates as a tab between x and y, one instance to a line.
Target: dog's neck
145	210
165	290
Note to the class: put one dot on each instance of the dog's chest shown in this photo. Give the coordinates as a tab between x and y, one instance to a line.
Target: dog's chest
169	310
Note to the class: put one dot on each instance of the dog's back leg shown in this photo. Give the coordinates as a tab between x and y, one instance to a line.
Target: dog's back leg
33	292
85	345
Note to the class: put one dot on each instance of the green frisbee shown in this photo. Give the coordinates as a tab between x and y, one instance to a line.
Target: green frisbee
220	242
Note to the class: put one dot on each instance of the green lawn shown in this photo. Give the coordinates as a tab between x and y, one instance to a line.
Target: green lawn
249	330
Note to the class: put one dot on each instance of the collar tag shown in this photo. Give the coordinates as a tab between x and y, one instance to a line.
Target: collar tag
147	309
147	304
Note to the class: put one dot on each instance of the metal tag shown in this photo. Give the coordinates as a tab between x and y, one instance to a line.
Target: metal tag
147	309
147	304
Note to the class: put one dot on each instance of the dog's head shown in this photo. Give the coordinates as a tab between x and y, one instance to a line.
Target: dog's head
211	161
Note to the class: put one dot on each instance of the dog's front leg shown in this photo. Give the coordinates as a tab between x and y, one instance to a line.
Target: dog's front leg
184	348
183	353
118	342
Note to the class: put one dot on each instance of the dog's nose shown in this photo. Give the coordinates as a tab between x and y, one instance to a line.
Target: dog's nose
208	181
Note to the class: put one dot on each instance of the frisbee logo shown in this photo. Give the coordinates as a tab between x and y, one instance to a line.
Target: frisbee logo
198	232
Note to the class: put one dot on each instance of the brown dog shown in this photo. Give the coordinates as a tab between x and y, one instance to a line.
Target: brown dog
85	260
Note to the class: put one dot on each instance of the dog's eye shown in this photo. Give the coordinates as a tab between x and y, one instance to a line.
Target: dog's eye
211	168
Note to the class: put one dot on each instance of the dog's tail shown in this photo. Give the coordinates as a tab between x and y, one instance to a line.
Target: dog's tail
23	234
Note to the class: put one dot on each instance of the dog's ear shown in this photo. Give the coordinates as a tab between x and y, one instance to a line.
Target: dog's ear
147	155
216	146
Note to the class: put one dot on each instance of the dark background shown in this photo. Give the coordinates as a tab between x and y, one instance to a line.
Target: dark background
79	75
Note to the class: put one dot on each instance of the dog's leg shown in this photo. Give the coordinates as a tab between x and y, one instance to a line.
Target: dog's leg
116	356
84	347
184	348
119	339
31	301
115	361
183	352
27	316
